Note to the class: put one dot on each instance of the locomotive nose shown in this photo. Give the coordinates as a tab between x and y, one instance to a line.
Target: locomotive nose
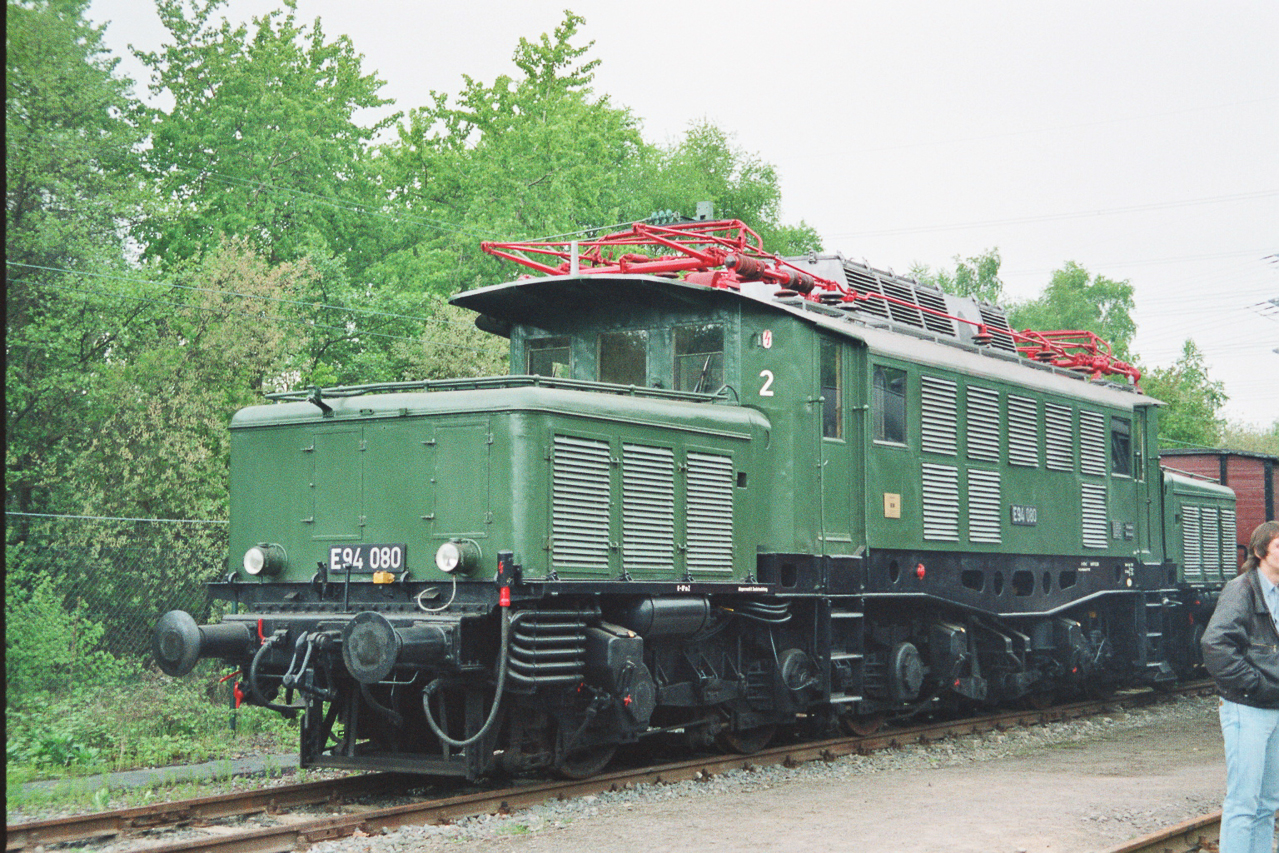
178	642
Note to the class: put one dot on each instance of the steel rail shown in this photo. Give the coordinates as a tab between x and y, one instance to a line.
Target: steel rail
290	836
1185	837
21	836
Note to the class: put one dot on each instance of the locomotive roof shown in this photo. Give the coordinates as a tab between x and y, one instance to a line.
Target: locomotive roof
539	301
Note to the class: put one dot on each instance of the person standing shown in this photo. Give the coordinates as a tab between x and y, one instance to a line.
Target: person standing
1241	653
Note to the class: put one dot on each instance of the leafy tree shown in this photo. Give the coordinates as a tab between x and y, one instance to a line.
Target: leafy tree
71	194
1194	401
451	347
1242	436
976	277
542	154
706	166
159	445
261	141
1076	300
519	157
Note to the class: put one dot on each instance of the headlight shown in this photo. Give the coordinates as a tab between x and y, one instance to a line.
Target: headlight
264	558
458	555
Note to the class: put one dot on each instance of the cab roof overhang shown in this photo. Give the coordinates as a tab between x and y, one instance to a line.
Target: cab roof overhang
540	301
543	300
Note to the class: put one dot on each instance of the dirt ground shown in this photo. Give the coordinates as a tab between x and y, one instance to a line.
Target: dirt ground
1077	796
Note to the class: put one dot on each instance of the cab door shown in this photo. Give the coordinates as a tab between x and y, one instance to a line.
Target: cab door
834	457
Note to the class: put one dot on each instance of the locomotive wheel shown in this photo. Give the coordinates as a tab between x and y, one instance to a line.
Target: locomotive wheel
585	763
746	742
862	726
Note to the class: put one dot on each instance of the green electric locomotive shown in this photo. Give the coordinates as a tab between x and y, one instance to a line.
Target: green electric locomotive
720	493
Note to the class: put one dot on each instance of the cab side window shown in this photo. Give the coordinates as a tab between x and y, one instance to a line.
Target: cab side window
550	357
888	403
699	358
1121	447
832	384
624	357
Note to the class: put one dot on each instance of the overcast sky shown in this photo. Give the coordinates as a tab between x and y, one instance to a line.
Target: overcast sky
1138	139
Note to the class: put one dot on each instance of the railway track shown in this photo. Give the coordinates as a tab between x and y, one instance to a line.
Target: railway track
1197	835
296	830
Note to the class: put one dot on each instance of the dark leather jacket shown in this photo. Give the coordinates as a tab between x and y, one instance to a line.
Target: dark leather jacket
1241	646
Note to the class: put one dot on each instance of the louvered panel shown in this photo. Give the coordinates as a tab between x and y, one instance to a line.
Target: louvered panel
1209	539
941	502
1059	438
580	503
709	527
997	325
901	305
982	411
1092	501
984	502
938	421
932	299
1092	444
1229	553
863	282
648	508
1190	541
1023	431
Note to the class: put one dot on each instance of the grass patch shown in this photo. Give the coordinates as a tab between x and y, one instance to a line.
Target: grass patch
148	720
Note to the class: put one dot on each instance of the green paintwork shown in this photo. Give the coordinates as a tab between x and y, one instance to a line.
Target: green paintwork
421	468
477	460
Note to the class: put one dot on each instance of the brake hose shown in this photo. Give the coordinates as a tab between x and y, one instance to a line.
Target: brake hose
507	621
258	698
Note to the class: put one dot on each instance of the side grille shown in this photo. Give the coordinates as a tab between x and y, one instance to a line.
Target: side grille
983	507
1229	554
1023	431
710	513
941	502
648	507
1092	499
547	648
1210	536
1092	444
983	424
1190	542
1059	438
939	417
580	511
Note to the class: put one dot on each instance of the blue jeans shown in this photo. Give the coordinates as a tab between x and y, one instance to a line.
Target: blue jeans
1252	778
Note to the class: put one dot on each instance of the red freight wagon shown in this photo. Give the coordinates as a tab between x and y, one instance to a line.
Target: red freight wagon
1251	475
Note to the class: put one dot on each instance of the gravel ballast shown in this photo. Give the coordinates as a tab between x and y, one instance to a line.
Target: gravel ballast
1081	785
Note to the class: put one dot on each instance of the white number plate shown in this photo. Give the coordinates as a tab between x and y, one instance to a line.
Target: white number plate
368	558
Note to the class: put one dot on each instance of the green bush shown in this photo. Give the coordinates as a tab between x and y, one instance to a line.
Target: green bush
147	720
48	646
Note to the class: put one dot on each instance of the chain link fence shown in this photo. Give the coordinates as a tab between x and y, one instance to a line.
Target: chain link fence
103	583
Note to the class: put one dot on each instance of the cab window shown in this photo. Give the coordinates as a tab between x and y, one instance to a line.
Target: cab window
832	391
699	358
888	399
550	357
1121	447
624	357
